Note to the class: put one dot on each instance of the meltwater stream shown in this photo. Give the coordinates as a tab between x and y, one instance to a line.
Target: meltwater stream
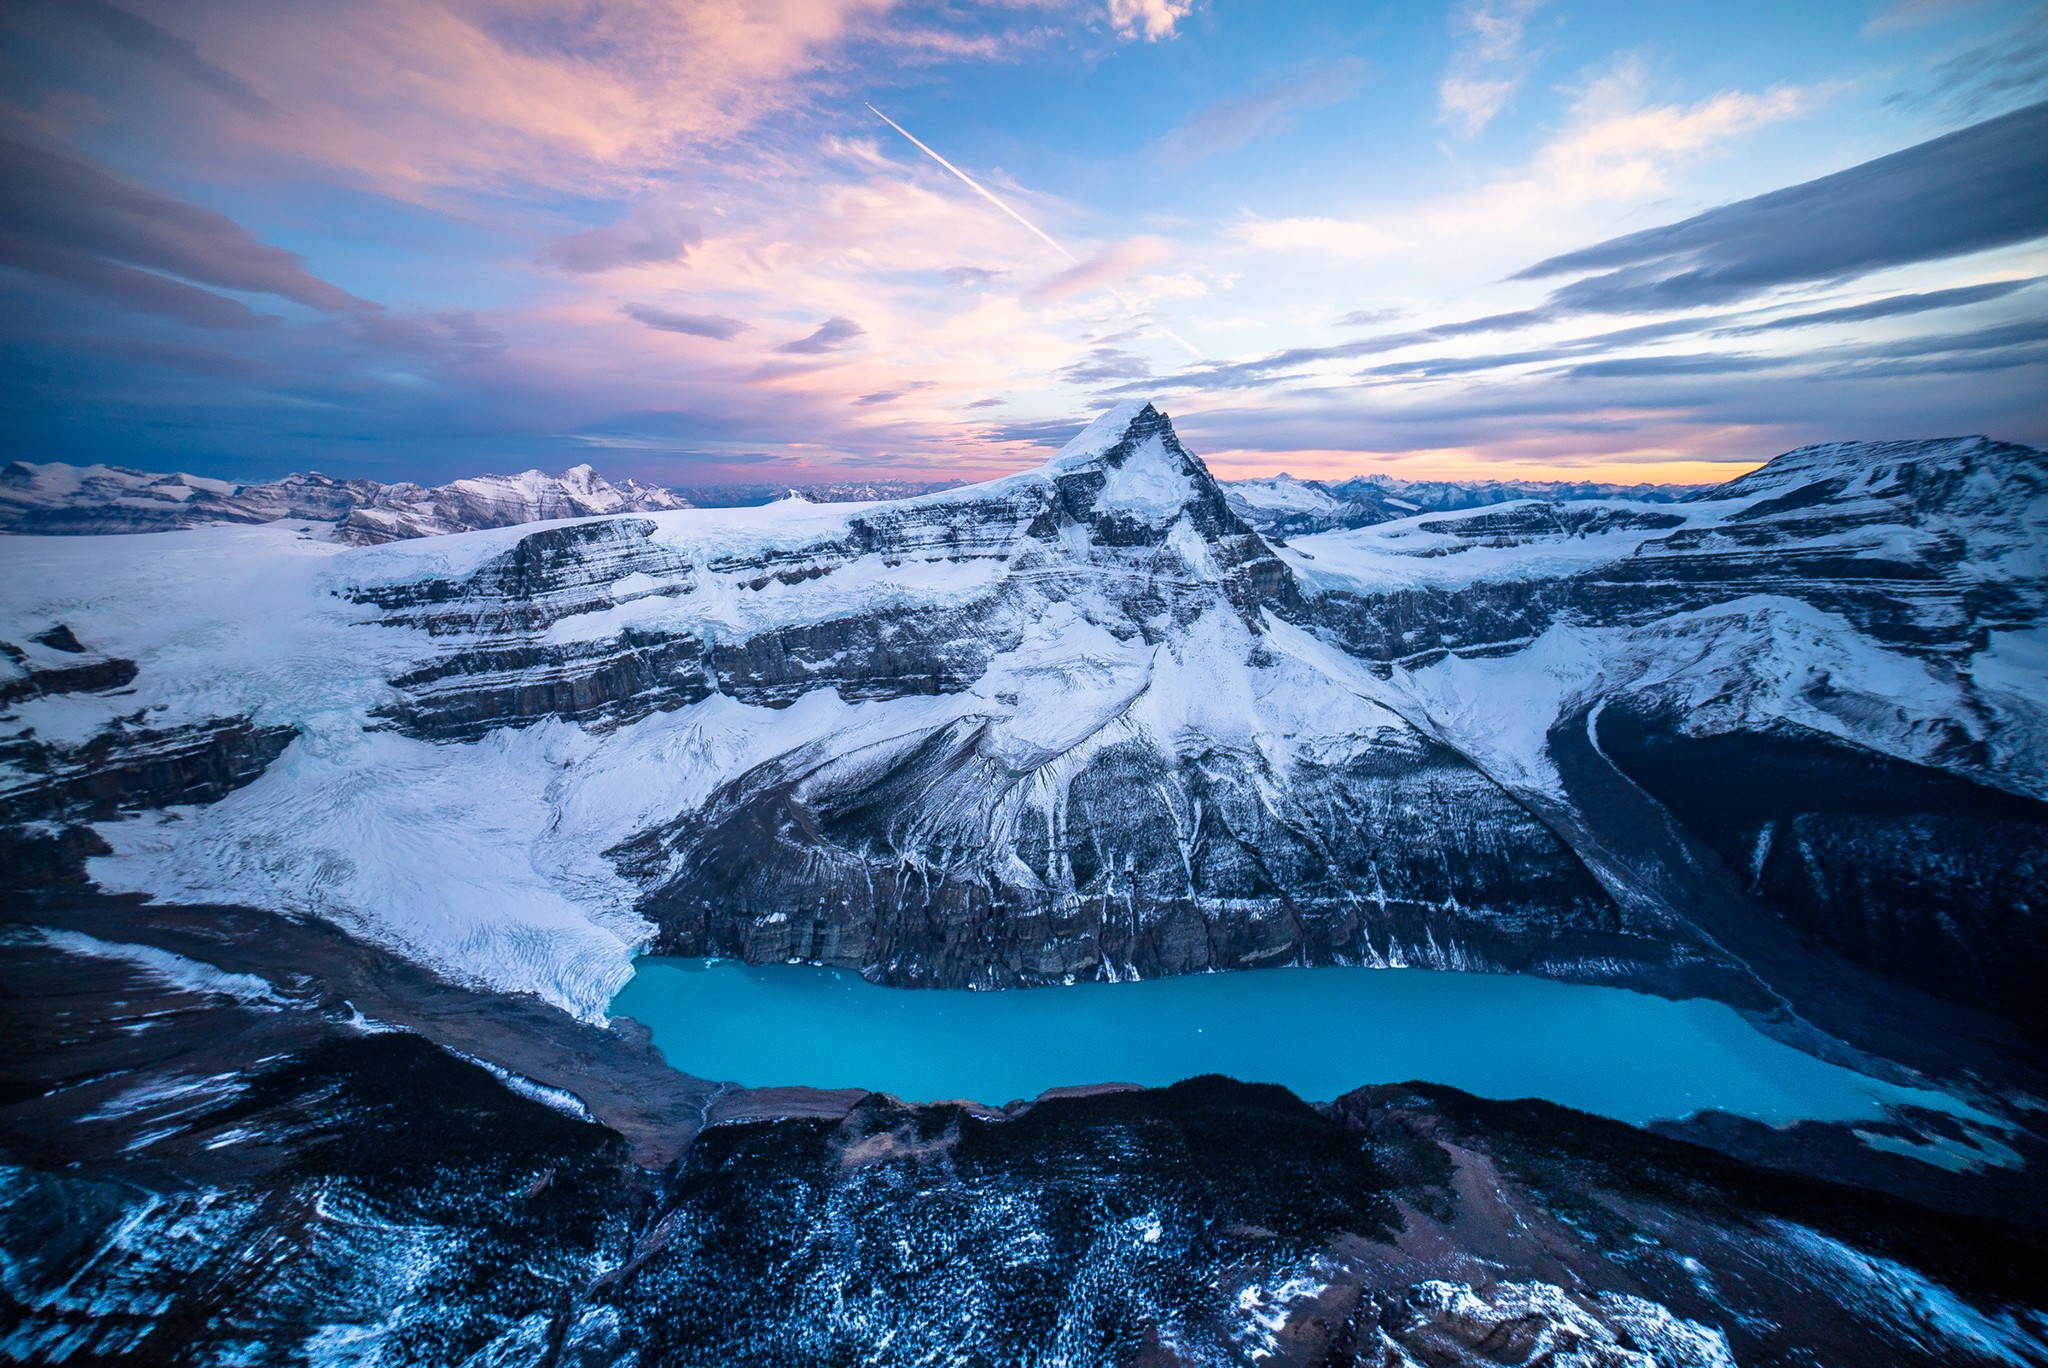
1318	1032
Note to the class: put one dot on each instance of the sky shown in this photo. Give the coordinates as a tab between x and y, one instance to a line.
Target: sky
421	239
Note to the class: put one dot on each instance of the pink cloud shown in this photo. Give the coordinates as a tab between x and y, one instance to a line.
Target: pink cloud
1110	266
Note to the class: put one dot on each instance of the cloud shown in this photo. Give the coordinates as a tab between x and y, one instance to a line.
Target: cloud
969	277
450	336
894	393
1892	306
1318	234
143	251
1104	269
1148	19
413	97
1230	123
1994	347
1369	318
715	326
987	403
1983	187
650	235
1488	64
1615	147
204	361
1105	364
145	39
1047	432
1909	14
831	335
2010	68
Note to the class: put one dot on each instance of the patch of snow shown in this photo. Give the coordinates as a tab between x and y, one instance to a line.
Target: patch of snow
1151	485
1925	1312
190	975
559	1099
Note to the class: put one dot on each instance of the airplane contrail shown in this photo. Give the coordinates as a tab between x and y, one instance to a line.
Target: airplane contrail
978	188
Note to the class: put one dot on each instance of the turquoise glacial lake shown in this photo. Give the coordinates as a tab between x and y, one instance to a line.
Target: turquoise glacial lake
1318	1032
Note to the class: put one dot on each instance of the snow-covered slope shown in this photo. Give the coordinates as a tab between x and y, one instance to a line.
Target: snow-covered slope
1085	721
56	498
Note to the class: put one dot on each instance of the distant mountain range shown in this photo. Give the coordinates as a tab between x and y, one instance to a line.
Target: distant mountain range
67	499
1284	506
57	499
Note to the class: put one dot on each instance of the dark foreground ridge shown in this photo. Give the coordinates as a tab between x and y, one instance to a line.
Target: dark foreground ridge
366	1195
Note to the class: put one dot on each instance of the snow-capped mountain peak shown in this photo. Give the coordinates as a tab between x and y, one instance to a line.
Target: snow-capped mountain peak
1107	438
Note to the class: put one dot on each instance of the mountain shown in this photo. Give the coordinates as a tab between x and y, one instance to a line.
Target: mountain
1087	721
77	500
320	862
1283	506
831	491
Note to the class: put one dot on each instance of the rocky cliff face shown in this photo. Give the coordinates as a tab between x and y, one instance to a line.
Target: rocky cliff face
1088	721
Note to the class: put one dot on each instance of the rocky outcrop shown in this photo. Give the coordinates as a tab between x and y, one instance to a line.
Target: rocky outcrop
24	675
1210	1222
126	765
132	767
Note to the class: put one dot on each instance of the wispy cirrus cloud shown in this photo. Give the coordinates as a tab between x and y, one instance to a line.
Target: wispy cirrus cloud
1101	270
418	96
1912	14
1236	120
1616	147
1489	61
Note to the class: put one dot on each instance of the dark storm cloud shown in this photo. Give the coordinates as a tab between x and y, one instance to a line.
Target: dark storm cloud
1985	186
831	335
715	326
66	220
